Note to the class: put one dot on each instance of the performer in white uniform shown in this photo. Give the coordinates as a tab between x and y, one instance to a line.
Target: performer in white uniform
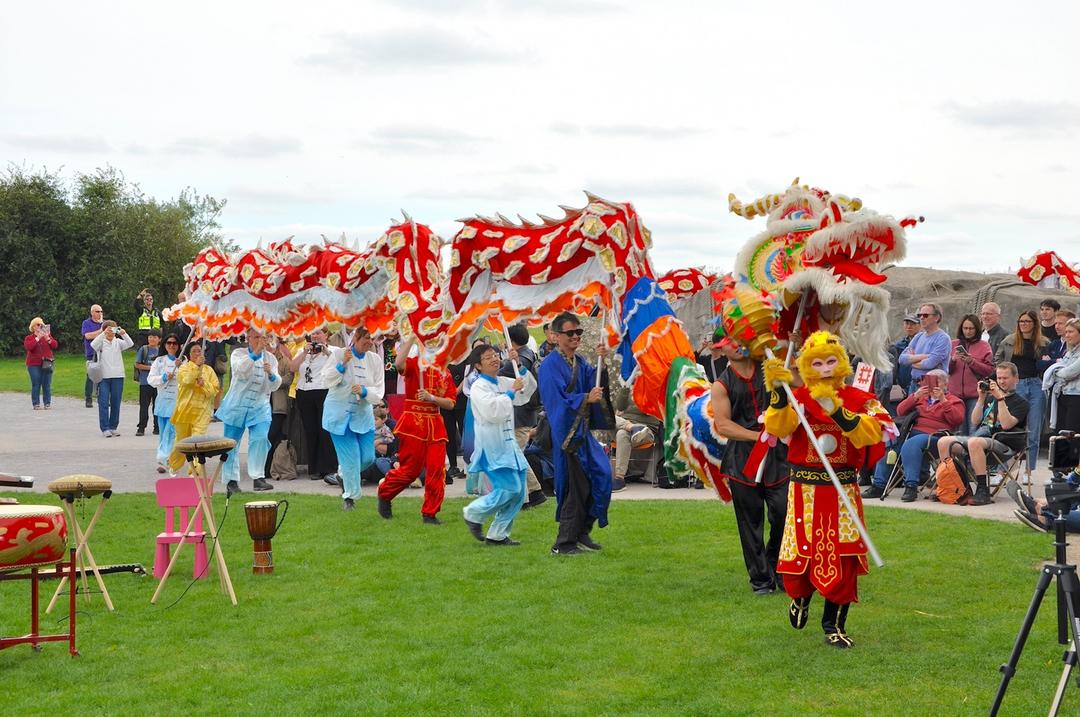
163	378
247	406
496	452
355	379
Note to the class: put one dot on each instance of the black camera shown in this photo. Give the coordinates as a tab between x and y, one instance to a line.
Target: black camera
316	348
1064	451
984	385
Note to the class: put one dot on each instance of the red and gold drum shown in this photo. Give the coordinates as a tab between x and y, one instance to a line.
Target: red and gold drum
31	536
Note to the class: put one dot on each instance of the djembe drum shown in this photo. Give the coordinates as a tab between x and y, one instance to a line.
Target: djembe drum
78	487
198	450
263	525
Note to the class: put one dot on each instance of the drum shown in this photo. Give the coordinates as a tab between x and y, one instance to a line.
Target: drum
31	536
263	524
205	446
80	486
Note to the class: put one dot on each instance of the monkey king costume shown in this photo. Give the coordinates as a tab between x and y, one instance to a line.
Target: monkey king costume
821	549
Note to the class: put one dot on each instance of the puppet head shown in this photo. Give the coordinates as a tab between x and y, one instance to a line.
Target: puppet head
823	358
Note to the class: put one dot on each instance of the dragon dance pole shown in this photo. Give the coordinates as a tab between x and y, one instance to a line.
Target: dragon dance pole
787	364
870	548
506	334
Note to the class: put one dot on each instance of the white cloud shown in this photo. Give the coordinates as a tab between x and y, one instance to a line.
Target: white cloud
411	49
63	144
420	139
1021	115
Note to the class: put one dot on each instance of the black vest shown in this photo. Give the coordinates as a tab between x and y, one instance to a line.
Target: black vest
749	399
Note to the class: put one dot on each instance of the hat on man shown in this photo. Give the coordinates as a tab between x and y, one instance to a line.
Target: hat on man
911	318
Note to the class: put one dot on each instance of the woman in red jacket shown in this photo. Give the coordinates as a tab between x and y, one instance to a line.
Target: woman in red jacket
39	347
938	410
971	361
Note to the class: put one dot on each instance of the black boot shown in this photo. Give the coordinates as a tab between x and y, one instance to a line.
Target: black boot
832	622
798	611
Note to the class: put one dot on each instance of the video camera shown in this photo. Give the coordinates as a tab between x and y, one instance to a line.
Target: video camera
1064	451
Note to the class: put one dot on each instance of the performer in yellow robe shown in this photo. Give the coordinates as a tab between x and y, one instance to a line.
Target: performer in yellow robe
197	385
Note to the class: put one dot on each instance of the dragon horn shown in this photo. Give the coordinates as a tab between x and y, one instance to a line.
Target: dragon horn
568	211
547	220
525	222
505	222
795	182
592	197
406	215
759	207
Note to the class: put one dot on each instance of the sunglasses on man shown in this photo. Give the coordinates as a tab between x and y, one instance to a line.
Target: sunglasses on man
573	332
925	316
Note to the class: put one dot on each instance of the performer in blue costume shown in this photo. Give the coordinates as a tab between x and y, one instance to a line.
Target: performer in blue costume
497	454
355	377
582	470
163	378
247	406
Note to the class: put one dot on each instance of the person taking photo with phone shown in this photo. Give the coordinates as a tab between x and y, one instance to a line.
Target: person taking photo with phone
39	345
971	361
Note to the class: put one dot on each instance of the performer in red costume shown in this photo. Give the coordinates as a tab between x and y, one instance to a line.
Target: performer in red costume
821	549
422	435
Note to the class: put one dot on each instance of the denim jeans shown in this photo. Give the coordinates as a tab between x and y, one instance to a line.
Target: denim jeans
1031	390
109	394
40	382
911	456
966	427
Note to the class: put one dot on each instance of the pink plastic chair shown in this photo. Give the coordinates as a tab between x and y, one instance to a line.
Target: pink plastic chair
179	494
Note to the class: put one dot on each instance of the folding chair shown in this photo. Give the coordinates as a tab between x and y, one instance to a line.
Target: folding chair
930	462
1008	462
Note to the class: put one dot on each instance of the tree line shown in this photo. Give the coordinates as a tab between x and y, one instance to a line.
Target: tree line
96	238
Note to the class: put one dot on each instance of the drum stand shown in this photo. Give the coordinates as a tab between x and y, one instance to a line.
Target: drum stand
83	556
205	487
34	638
1068	598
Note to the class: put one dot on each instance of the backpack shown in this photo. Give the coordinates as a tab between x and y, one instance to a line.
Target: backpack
283	465
951	486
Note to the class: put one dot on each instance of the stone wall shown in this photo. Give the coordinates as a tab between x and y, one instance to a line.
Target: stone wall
957	292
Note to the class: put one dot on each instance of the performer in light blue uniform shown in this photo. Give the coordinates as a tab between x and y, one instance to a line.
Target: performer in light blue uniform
496	452
163	378
355	378
247	406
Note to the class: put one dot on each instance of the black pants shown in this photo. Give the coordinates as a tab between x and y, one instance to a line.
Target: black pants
147	399
750	503
453	439
574	518
89	389
321	457
276	435
460	407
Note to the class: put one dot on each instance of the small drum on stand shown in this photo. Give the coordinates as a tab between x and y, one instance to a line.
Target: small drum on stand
78	487
31	537
263	525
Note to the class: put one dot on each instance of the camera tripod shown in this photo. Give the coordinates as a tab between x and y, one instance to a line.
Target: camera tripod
1068	597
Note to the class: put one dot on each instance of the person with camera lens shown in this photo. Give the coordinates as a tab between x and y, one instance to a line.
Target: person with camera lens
109	345
998	408
310	364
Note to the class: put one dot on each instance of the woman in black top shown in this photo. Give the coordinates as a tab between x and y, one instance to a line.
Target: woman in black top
1025	347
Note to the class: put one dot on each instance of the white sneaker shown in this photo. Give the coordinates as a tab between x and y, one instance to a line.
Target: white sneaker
116	433
107	434
996	480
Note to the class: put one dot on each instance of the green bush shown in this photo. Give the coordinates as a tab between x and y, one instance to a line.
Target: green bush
65	245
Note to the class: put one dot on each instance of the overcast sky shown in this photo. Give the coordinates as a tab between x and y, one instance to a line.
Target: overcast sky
322	118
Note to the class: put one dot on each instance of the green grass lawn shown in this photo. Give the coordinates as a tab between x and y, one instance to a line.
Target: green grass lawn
69	376
365	616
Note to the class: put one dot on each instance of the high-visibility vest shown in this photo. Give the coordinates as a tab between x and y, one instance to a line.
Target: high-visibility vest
149	321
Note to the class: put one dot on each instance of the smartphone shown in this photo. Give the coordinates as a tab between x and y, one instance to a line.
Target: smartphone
961	350
47	328
931	382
